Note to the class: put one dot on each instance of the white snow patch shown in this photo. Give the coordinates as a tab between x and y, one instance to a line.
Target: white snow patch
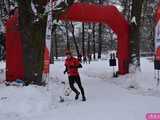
107	98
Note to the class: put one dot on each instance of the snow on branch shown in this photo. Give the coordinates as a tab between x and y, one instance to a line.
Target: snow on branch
58	6
33	8
133	20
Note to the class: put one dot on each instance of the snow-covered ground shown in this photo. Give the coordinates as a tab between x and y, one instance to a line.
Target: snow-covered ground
107	98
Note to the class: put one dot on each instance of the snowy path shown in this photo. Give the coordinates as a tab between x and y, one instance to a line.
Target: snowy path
107	98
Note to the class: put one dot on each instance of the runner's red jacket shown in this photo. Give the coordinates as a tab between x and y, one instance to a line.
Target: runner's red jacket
72	64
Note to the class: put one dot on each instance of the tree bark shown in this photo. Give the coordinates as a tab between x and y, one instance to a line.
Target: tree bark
100	36
100	41
88	44
33	28
74	40
33	41
67	34
56	43
94	42
83	40
135	32
52	50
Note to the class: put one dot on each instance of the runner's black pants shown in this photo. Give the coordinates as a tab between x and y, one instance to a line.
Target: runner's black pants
76	79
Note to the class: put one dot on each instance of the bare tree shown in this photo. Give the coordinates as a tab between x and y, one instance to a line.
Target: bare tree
33	27
100	36
67	34
89	40
135	31
56	43
99	41
74	40
33	34
94	42
83	39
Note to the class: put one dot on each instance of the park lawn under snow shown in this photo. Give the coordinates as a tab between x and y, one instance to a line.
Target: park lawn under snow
107	98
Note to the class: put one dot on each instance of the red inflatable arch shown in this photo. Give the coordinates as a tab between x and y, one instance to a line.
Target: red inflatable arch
83	12
108	15
14	52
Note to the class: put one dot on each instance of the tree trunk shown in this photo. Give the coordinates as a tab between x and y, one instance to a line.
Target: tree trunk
52	50
94	42
33	28
67	34
56	43
127	10
100	36
33	41
83	40
135	32
88	43
100	41
74	40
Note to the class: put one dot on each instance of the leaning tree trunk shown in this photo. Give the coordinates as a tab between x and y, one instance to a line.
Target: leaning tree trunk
33	41
135	32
